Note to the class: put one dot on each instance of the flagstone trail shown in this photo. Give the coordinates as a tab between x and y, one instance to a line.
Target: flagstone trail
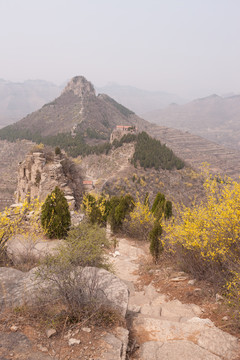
168	330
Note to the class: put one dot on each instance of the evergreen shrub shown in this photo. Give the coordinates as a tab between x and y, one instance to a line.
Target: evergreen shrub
55	215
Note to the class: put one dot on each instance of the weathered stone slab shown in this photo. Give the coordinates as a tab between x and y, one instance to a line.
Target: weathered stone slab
173	350
202	333
17	287
116	345
21	346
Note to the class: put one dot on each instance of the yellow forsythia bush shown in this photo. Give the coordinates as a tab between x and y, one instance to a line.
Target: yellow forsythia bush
140	221
17	221
206	237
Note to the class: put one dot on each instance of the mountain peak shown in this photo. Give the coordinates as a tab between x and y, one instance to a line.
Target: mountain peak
80	86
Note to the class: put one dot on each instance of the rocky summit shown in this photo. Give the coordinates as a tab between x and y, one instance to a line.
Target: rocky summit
77	110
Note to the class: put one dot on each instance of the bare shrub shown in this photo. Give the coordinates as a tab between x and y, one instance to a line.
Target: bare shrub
72	281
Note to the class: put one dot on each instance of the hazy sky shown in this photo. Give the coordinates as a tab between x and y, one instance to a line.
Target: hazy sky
188	47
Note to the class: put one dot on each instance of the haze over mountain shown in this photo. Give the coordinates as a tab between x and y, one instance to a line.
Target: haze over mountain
77	110
19	99
214	117
139	100
84	118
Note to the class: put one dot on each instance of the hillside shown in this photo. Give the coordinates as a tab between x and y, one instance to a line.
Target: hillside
76	111
84	118
216	118
114	174
195	150
19	99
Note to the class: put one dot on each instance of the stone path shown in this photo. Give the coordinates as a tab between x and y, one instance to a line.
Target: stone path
168	330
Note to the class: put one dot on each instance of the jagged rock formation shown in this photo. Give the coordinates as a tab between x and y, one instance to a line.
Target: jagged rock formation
80	87
41	172
10	155
77	110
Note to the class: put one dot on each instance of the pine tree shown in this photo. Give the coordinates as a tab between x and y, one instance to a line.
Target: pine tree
168	210
55	215
156	246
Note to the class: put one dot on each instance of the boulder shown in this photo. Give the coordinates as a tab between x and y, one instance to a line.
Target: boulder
18	288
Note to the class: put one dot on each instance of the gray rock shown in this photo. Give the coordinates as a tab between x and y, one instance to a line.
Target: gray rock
179	278
86	329
173	350
73	341
50	332
219	343
20	346
219	298
201	333
153	311
192	282
17	287
134	308
116	344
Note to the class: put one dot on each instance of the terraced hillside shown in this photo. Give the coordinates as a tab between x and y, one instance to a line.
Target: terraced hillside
195	150
214	117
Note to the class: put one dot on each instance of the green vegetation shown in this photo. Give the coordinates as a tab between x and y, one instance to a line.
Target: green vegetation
161	207
150	153
57	150
55	215
119	208
156	246
65	270
126	138
93	134
205	238
84	246
100	209
74	146
96	208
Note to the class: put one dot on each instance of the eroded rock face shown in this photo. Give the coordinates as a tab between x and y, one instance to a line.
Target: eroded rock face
38	176
18	288
80	87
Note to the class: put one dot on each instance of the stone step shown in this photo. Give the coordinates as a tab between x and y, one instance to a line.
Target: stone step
173	350
201	332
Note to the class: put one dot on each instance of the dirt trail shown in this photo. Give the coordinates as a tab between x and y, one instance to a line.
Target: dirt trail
168	330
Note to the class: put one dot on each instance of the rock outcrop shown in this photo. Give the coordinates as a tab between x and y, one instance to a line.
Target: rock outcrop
18	288
80	87
77	110
40	173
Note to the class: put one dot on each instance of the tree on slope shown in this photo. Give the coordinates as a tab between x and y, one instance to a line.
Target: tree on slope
55	216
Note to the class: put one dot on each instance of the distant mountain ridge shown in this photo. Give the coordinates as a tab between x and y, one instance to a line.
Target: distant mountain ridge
19	99
140	101
78	110
214	117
